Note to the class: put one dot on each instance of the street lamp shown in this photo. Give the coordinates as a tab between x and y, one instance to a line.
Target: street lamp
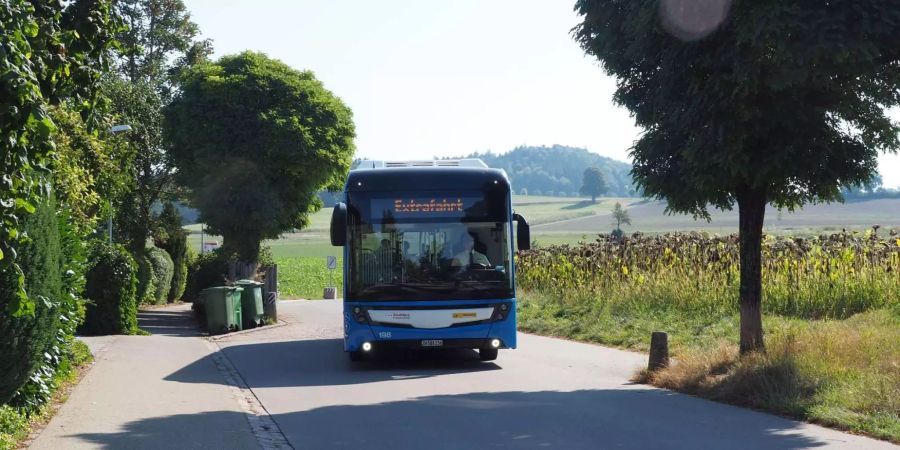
115	129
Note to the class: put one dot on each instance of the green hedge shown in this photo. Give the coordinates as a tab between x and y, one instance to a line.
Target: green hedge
146	278
110	290
207	270
25	340
162	270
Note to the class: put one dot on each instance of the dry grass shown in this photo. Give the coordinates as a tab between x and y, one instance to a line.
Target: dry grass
844	374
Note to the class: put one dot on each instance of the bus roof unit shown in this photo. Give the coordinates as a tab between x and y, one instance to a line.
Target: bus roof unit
466	162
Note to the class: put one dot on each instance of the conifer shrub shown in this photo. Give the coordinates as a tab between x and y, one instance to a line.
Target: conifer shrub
111	291
171	237
146	278
26	340
162	272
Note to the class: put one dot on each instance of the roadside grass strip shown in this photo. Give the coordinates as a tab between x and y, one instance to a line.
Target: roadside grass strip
831	315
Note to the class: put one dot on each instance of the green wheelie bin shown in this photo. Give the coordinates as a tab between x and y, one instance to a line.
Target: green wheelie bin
223	309
251	303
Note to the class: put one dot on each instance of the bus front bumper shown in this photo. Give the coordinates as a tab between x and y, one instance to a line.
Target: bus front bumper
469	336
433	344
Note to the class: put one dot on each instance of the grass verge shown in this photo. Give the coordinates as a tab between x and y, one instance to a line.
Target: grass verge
17	424
839	373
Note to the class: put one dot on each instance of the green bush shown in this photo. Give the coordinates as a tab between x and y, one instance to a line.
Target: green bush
111	287
146	278
171	237
162	271
26	339
207	270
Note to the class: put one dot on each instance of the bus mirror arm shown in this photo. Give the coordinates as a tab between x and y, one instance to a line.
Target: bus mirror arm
523	233
339	225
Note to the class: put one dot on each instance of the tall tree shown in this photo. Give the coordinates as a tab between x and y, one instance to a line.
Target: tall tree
255	140
593	183
158	44
750	103
160	36
140	106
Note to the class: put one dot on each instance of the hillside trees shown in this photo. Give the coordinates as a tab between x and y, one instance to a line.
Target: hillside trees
593	183
254	167
558	168
749	110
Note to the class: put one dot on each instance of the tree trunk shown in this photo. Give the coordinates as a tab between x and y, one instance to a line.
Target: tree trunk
246	247
593	199
752	211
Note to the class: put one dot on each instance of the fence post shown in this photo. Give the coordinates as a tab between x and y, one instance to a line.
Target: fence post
270	288
659	351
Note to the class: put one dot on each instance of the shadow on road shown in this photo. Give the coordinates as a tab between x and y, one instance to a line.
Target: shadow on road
168	323
586	419
218	429
322	362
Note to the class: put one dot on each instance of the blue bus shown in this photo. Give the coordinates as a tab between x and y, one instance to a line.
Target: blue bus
428	257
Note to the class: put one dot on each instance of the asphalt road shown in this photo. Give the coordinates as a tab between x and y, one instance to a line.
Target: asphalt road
549	393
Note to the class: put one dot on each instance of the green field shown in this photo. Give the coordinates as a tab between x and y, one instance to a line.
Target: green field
306	277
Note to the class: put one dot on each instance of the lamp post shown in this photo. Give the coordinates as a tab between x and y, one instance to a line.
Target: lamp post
115	129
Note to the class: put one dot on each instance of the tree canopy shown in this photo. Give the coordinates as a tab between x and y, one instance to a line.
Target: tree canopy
750	103
255	140
593	183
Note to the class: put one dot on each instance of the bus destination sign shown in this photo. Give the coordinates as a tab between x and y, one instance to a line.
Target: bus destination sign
421	207
434	205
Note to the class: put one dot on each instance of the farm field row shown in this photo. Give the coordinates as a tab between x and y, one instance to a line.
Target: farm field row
559	220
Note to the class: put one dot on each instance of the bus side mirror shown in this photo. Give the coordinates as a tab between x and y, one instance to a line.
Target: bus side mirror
339	225
523	233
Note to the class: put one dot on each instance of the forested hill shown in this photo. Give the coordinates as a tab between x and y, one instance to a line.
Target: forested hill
558	170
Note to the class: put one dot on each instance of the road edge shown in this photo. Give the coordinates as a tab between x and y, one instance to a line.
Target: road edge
266	431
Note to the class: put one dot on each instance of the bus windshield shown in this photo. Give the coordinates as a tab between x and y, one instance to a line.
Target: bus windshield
429	246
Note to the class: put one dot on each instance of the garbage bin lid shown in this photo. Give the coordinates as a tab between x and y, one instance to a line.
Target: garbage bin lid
248	282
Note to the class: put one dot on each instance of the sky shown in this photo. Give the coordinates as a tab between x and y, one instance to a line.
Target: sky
427	79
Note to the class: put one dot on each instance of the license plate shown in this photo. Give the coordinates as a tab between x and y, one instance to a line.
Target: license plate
433	343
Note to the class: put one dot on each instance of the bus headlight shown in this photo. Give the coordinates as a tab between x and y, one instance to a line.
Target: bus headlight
495	343
367	346
360	315
501	311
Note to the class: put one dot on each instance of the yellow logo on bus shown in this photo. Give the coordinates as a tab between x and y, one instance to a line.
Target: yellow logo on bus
463	315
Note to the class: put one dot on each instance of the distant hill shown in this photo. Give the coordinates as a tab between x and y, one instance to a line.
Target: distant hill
558	170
